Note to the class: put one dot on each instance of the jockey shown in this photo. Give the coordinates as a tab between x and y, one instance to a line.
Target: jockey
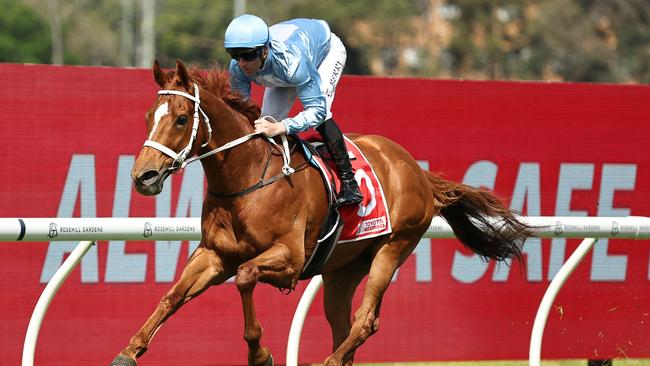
297	58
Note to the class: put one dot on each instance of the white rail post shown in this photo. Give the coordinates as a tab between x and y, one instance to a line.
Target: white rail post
293	344
535	353
44	301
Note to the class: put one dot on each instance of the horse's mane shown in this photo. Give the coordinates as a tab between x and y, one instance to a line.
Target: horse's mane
217	81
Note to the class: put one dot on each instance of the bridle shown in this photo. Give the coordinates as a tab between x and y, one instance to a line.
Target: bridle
180	158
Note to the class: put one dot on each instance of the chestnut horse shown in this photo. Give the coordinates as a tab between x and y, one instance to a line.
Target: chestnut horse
267	234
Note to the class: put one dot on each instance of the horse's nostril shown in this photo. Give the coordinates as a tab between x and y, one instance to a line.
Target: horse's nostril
149	177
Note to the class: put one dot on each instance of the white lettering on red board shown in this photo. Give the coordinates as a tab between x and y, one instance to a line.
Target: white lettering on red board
124	266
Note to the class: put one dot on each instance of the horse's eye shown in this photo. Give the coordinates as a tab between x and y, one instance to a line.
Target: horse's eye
181	120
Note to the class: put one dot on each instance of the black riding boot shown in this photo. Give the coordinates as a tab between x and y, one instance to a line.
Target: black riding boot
333	137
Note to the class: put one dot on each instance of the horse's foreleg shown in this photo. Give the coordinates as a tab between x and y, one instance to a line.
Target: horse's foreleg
338	291
366	318
203	270
272	266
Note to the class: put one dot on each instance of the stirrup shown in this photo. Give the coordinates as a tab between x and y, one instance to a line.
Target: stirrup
348	195
343	201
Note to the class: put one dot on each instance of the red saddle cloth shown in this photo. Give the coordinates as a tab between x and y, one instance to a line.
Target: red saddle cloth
370	217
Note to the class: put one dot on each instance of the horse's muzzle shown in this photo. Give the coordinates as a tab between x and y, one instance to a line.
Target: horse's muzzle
149	182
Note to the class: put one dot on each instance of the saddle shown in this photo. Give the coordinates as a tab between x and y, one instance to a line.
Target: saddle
346	223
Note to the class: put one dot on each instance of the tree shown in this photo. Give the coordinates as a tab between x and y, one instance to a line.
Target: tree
572	40
627	24
578	40
372	33
25	36
193	31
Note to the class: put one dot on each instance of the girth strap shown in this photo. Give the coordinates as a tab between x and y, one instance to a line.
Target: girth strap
261	183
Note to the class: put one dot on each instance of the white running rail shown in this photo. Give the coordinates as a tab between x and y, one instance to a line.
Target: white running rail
89	230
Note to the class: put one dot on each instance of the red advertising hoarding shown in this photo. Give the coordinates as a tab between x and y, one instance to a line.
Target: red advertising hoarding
70	135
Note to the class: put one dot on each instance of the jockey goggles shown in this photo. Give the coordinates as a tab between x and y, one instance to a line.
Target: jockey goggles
245	54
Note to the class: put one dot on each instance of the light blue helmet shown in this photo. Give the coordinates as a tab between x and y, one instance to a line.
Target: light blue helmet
246	31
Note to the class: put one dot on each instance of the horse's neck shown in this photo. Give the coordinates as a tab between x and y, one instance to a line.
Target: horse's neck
239	167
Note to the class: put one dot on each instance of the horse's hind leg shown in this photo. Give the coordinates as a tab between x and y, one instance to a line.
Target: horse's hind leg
272	266
366	318
203	270
338	291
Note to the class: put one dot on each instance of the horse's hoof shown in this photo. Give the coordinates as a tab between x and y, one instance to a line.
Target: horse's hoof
123	361
269	361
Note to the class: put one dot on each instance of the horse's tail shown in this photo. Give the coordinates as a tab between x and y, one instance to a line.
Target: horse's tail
471	213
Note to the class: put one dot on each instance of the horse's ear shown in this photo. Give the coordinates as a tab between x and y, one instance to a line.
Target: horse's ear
161	78
182	77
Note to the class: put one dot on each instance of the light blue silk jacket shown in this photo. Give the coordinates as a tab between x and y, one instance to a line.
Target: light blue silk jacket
296	50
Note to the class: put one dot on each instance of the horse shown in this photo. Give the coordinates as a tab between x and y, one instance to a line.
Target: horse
197	115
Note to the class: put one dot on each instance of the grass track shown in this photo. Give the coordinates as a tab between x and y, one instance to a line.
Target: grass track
617	362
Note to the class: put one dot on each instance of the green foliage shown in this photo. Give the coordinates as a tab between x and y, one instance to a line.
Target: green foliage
192	30
573	40
579	40
24	36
